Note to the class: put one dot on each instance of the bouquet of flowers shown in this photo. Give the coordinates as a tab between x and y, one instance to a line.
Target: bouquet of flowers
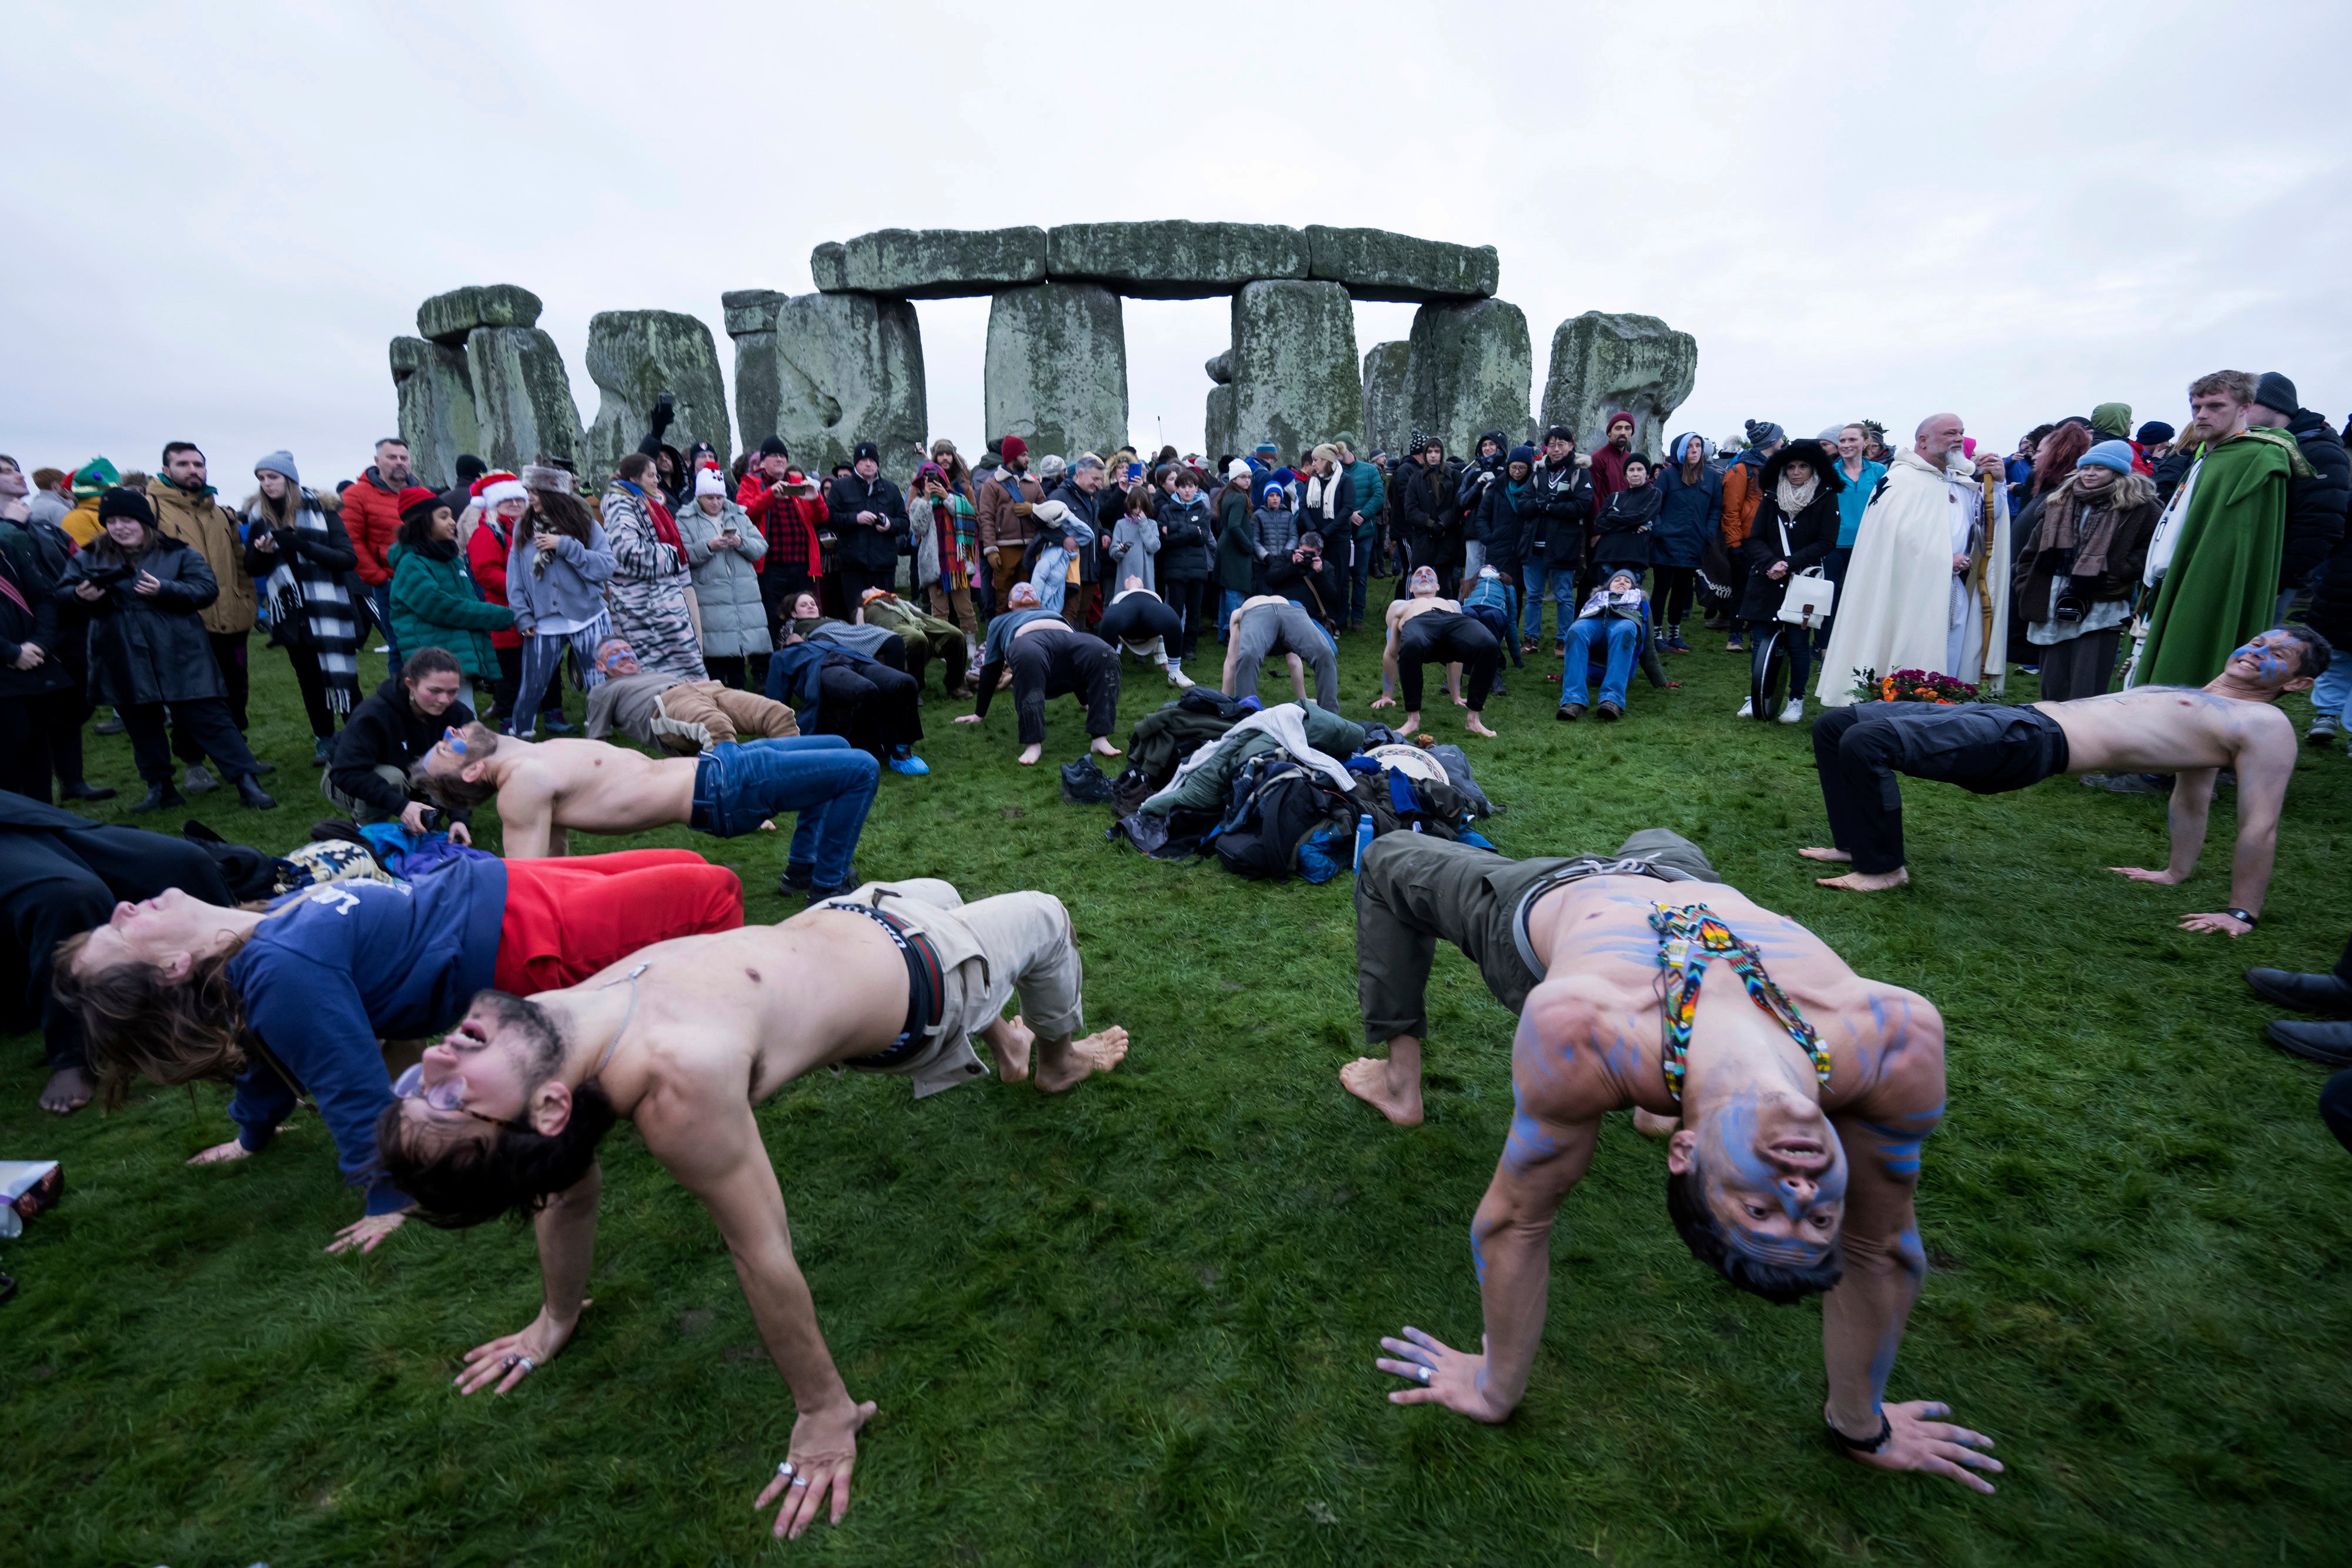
1912	687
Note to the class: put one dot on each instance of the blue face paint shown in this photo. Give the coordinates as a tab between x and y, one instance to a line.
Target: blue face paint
2268	661
1732	1135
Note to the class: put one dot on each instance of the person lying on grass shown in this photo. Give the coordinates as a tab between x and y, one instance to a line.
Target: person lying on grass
294	998
545	788
1990	748
1803	1091
683	1038
1425	628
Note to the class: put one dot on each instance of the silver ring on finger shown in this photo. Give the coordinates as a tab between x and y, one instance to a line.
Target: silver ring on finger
1424	1373
785	1469
799	1480
526	1363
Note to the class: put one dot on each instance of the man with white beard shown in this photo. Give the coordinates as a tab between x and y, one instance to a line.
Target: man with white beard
1927	588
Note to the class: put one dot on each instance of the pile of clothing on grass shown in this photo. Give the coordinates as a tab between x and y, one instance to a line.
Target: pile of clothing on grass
1278	791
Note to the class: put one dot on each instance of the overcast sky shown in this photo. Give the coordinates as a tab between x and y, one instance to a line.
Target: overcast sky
222	214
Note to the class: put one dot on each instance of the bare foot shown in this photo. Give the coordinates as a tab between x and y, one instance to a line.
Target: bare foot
1478	727
1079	1059
1009	1041
1368	1079
1836	856
1103	748
220	1153
1867	882
1650	1124
68	1091
1409	723
1029	755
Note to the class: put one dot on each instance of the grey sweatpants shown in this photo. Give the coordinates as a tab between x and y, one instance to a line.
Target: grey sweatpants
1413	891
1270	629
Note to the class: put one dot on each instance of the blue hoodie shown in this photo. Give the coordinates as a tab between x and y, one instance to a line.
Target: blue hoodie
349	963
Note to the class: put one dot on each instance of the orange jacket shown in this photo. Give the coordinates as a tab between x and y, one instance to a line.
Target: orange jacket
1740	496
372	517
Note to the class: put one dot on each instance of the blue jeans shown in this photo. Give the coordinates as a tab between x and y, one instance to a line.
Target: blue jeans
1228	600
1535	573
1623	640
820	778
2333	690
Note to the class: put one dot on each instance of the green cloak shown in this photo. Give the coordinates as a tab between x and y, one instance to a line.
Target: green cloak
2222	586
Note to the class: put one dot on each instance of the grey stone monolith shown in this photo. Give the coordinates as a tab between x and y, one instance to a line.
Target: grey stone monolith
437	408
634	357
848	368
1055	374
1217	438
1388	397
522	397
1603	362
1221	368
750	319
1470	370
447	319
930	263
1374	264
1173	259
1294	355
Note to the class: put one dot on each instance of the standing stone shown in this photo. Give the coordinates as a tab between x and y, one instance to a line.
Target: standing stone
751	315
1388	398
635	356
848	368
1470	371
1173	259
447	318
1600	363
522	398
1374	264
1295	378
1055	374
437	408
1217	439
930	263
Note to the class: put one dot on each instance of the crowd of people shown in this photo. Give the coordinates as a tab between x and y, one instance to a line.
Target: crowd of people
765	636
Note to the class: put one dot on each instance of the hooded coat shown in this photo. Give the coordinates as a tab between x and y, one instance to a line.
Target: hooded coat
1690	513
2220	586
1802	540
148	648
727	581
1510	515
202	523
434	605
1895	608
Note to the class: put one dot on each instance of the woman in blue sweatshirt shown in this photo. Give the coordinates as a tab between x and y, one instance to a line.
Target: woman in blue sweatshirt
290	1002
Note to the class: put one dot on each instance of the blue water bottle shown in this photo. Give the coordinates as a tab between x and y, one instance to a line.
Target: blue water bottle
1363	838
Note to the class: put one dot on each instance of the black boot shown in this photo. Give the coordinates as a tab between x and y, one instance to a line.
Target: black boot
159	796
2326	1042
83	789
252	796
2303	993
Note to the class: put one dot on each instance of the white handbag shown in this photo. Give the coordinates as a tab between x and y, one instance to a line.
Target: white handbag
1809	597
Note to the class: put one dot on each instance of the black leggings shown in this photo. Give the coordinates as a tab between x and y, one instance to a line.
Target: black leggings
1195	599
1444	637
1987	748
870	706
1139	618
1673	592
39	735
1055	663
203	727
313	682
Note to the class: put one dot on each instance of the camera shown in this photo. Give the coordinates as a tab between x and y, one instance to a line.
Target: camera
2070	607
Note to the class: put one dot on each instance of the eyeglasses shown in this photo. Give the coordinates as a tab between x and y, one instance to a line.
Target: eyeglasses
446	1095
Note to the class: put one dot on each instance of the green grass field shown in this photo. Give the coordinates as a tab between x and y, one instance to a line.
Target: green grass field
1135	1324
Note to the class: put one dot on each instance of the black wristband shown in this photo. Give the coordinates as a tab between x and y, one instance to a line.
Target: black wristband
2241	915
1844	1444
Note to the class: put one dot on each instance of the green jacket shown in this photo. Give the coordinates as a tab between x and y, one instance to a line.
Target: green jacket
435	605
2222	588
1371	495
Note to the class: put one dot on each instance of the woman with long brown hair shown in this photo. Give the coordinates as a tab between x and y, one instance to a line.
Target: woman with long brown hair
297	549
555	584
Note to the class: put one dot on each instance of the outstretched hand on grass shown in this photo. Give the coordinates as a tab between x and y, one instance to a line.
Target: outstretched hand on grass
1919	1439
1440	1375
508	1359
367	1234
824	1452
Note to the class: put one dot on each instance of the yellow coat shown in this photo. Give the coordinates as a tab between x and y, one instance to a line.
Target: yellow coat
210	530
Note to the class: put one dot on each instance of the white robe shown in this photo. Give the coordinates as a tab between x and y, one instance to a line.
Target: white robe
1900	607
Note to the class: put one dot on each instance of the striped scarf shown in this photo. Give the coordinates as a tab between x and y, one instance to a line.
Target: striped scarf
310	608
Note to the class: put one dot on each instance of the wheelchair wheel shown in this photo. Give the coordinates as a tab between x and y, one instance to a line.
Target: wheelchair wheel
1767	675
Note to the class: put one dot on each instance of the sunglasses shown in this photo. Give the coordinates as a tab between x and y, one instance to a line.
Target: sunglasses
444	1096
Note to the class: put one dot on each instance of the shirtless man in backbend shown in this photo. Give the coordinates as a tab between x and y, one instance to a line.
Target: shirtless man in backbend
1451	638
546	788
1988	749
1803	1092
684	1038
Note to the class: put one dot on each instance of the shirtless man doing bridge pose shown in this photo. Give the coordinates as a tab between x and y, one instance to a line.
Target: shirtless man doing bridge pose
1802	1093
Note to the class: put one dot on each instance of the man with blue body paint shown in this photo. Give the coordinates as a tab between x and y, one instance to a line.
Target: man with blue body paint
1798	1094
2189	732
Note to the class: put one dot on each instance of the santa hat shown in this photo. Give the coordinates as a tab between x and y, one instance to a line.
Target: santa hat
494	487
